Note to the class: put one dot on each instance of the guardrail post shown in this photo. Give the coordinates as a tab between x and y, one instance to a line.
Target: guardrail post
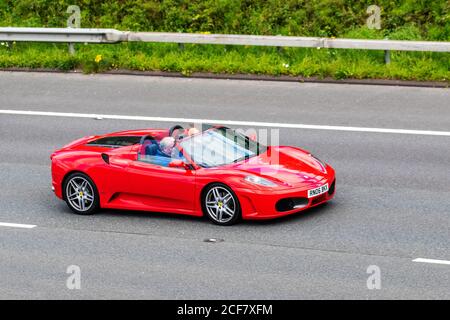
71	49
387	56
279	49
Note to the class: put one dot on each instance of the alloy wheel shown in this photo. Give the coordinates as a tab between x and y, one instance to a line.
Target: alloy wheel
220	204
80	194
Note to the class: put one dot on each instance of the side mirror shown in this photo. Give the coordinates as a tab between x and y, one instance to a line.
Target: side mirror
179	164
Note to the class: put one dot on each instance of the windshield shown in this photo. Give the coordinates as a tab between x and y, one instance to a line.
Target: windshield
219	146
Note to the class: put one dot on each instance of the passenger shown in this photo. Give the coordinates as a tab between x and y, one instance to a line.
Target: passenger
166	146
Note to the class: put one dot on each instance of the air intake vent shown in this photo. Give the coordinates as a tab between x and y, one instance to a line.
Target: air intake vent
105	158
288	204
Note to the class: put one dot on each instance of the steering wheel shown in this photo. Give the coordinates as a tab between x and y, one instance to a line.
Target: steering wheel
175	127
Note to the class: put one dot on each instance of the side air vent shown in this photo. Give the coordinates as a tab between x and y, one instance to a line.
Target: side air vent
105	158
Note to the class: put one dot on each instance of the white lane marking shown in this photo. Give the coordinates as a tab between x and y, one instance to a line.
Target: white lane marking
17	225
432	261
225	122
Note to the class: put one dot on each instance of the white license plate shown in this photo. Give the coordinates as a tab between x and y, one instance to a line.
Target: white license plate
317	191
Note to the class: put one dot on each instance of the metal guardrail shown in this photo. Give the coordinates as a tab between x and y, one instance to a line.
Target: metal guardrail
71	35
289	41
75	35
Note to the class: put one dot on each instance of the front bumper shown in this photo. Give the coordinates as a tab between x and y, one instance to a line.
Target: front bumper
263	204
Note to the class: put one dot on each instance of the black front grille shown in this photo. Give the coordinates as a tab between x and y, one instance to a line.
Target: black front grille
288	204
331	189
319	199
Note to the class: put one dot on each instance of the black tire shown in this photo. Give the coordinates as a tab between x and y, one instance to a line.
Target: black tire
69	192
234	205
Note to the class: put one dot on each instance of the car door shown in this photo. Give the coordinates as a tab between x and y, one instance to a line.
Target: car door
158	187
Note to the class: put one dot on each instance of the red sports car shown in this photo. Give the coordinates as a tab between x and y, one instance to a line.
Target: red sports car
217	172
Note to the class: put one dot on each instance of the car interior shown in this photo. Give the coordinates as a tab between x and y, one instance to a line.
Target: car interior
151	151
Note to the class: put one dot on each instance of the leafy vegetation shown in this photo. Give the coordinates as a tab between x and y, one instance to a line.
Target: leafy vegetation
405	20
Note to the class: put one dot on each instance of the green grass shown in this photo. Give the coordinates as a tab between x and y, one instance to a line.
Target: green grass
400	19
339	64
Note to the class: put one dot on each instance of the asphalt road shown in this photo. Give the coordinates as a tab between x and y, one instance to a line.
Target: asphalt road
392	203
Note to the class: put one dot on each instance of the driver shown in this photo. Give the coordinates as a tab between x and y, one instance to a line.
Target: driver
193	131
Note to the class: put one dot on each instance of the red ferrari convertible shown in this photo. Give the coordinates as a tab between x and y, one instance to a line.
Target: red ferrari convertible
217	172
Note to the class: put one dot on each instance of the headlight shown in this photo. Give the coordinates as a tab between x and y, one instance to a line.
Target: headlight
260	181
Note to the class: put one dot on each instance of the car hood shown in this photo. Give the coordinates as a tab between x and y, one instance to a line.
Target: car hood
288	166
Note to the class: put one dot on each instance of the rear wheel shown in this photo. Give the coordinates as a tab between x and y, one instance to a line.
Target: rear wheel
80	194
221	205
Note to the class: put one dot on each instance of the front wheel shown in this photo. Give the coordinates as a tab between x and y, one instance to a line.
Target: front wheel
221	205
80	194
